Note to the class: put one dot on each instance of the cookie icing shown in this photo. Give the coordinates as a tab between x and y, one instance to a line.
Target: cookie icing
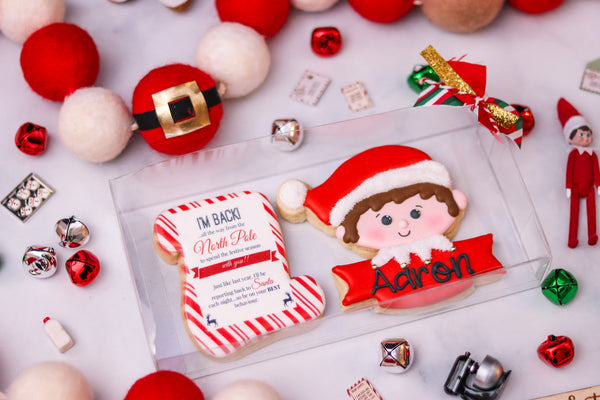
236	285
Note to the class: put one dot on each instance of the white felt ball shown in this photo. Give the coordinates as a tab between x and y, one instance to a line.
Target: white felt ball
247	390
235	55
313	5
51	380
94	124
20	18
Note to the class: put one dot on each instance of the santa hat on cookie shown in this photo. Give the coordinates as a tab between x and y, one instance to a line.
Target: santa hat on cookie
569	117
373	171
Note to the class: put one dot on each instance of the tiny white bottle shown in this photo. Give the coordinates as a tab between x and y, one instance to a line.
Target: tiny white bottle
58	334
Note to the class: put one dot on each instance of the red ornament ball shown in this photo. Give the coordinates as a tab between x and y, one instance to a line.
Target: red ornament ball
266	17
164	385
58	59
175	78
535	7
382	11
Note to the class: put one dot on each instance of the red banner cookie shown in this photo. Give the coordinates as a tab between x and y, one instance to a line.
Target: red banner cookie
236	287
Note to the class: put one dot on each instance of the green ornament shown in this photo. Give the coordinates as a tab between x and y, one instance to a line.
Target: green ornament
421	71
560	286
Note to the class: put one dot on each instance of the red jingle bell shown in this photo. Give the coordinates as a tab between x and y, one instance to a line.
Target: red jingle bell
83	267
326	41
31	139
556	351
527	116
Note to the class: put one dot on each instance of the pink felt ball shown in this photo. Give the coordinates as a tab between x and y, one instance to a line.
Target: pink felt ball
164	385
382	11
58	59
535	7
266	17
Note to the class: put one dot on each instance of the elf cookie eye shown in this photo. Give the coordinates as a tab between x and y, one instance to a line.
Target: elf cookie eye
415	214
386	220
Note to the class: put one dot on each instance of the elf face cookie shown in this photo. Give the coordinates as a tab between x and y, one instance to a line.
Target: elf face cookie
236	290
394	205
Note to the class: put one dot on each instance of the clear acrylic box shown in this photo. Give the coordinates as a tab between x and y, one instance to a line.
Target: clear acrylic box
480	166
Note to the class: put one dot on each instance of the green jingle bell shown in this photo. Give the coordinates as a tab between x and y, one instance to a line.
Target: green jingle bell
560	286
419	72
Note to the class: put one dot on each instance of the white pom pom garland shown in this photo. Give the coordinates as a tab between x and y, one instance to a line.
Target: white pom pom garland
236	55
247	390
313	5
50	381
20	18
94	124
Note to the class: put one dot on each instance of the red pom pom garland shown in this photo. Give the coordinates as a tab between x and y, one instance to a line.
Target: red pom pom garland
535	7
189	126
164	385
382	11
266	17
58	59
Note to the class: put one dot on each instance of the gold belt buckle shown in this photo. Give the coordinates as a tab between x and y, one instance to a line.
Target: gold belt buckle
163	112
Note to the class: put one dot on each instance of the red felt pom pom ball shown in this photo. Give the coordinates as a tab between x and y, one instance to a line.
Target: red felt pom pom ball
175	81
266	17
164	385
58	59
535	7
382	11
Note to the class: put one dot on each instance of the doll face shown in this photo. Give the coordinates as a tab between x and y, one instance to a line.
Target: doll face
412	220
582	137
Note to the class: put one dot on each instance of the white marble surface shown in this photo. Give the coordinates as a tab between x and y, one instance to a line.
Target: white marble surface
531	60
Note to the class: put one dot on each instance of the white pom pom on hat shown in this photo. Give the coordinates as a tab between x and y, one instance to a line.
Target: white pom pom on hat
20	18
292	194
234	55
95	124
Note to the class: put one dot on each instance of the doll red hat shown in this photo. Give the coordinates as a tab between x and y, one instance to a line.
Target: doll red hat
569	117
373	171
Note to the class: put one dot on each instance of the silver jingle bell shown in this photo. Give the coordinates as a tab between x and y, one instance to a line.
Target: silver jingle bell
396	355
72	232
286	134
39	262
488	373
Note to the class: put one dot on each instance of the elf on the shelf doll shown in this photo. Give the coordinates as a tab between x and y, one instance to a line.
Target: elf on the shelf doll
583	175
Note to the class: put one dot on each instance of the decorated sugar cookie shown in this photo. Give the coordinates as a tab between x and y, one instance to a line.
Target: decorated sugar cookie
236	290
394	205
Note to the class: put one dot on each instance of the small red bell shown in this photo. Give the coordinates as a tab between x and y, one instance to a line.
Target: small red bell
557	351
83	267
326	41
31	139
527	116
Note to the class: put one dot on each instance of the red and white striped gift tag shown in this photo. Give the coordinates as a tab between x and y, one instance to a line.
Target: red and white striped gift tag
237	285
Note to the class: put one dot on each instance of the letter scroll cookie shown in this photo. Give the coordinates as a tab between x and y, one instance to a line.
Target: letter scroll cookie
236	289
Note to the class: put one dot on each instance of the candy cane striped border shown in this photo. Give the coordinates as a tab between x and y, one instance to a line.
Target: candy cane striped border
308	297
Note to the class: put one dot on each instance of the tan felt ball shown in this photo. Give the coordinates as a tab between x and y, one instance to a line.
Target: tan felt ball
461	16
